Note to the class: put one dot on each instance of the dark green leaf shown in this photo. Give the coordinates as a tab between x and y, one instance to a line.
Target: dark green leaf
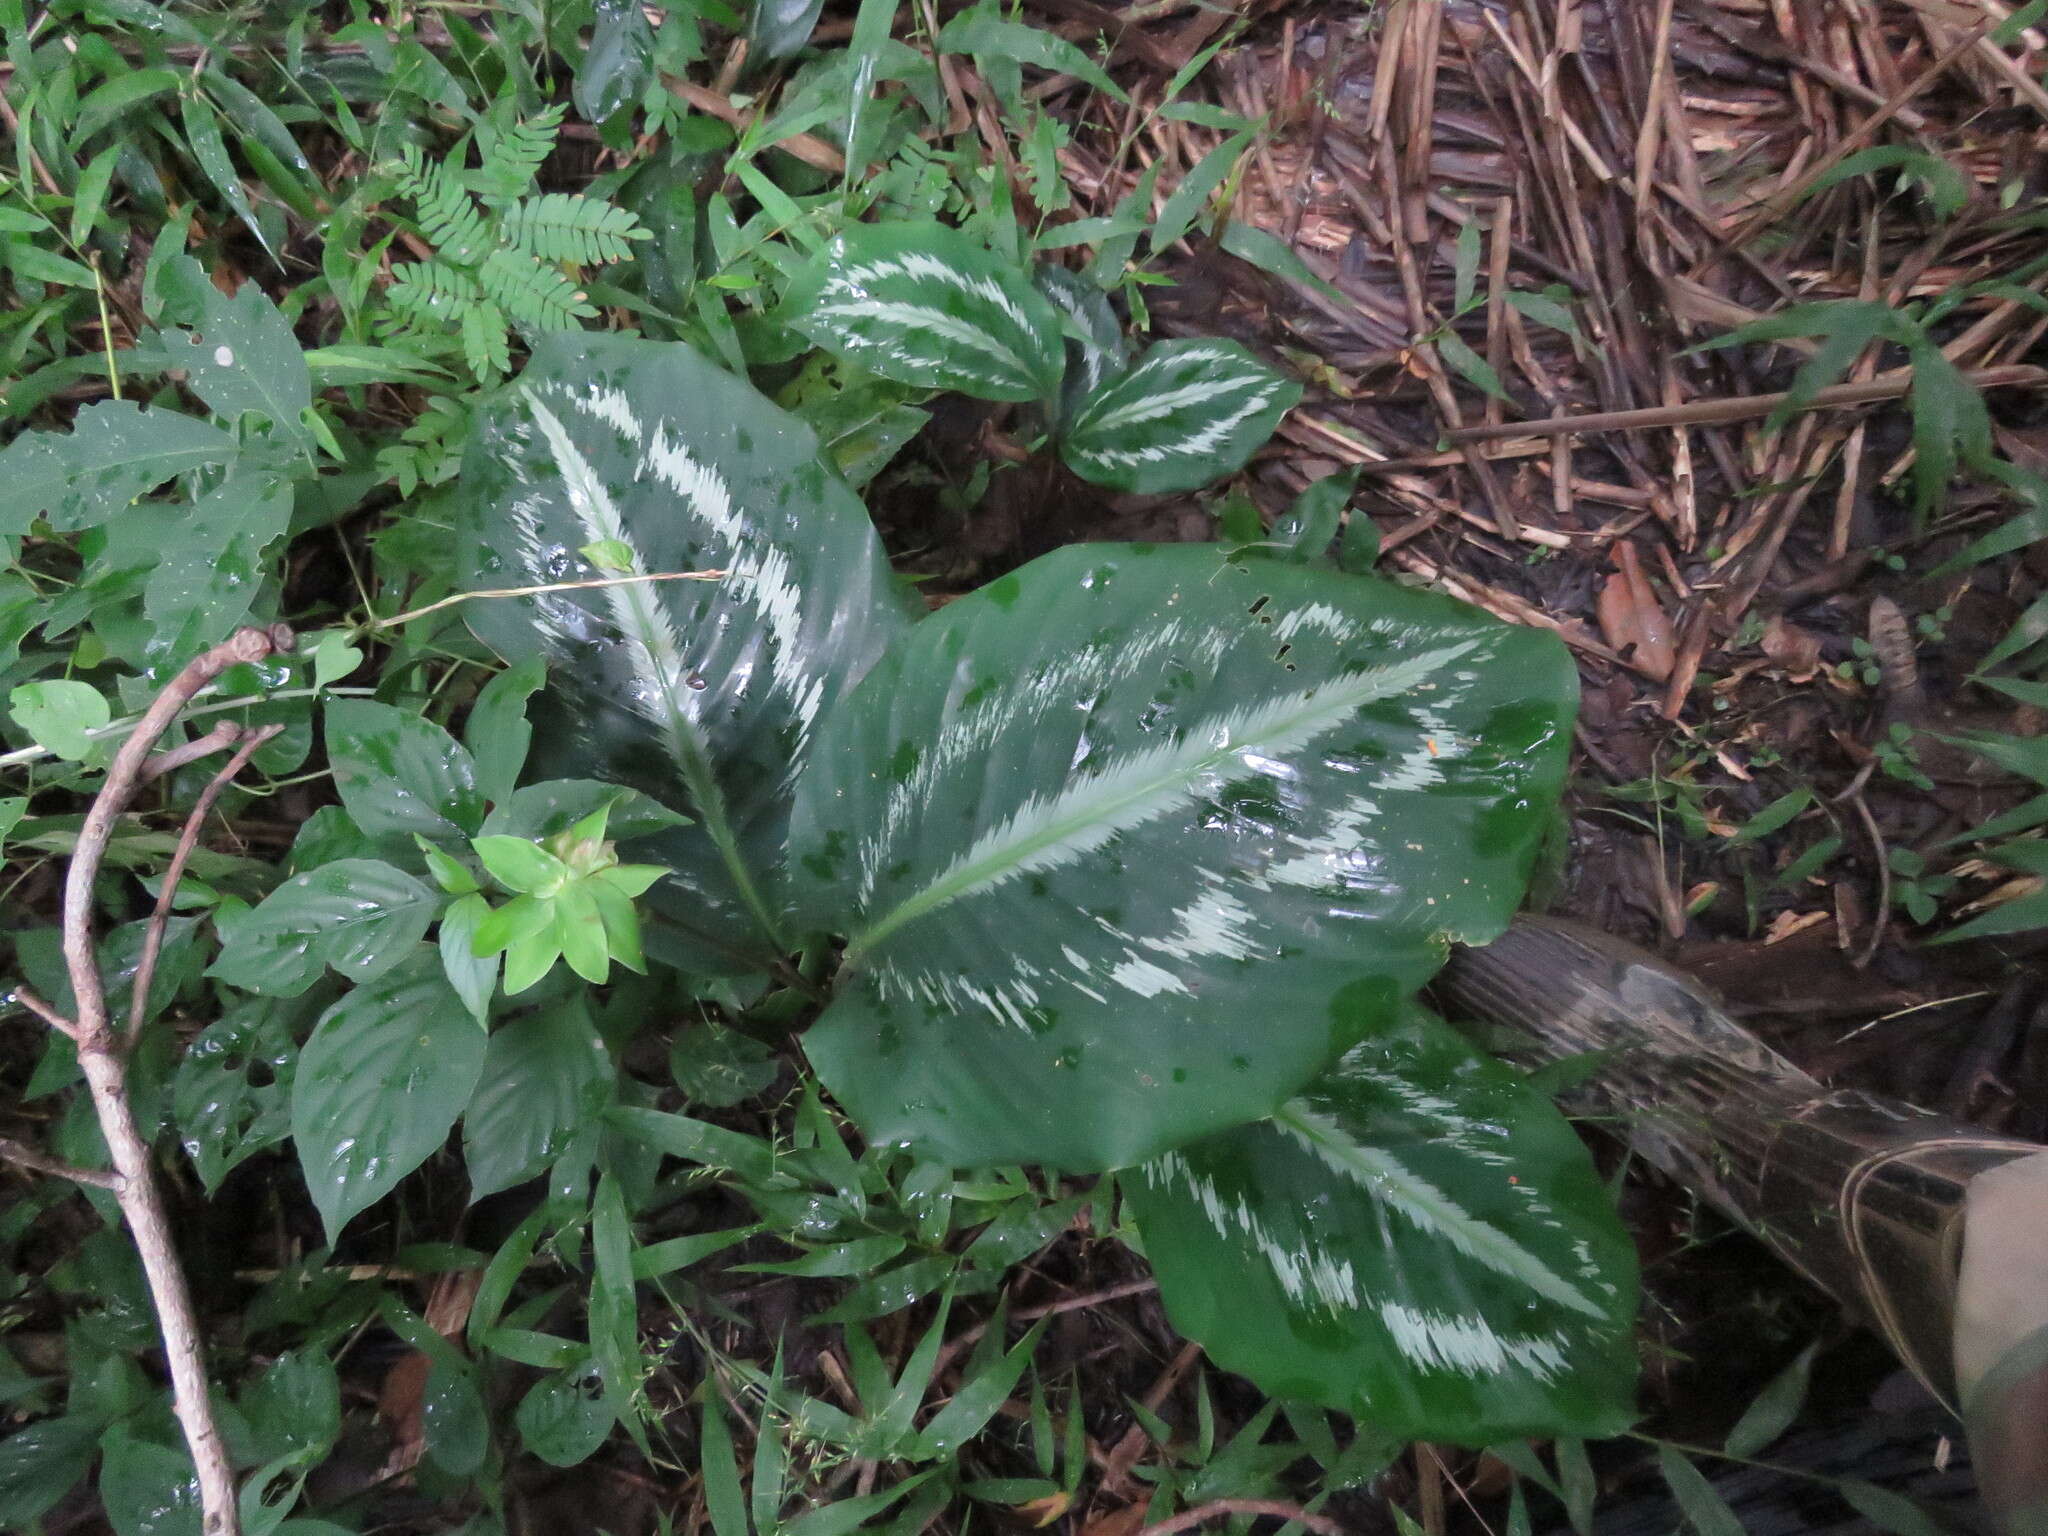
231	1093
982	32
1775	1408
1083	825
400	774
1310	525
148	1489
545	1077
1704	1509
777	29
114	452
383	1077
202	133
40	1463
1420	1240
565	1418
294	1409
616	67
720	1067
456	1426
361	916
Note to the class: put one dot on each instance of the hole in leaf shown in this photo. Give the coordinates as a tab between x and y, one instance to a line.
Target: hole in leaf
1260	602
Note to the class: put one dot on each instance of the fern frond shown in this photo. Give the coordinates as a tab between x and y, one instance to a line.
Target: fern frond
432	292
483	341
534	295
412	175
563	226
513	157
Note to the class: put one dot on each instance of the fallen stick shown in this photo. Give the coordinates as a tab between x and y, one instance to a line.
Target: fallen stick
1708	413
1934	1230
103	1057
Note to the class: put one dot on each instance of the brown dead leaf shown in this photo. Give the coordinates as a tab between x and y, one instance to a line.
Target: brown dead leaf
400	1400
1796	651
1042	1512
1785	924
1632	620
1118	1522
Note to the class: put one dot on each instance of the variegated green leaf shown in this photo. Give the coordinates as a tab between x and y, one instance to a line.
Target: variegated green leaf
1130	843
1188	412
924	304
1419	1240
704	694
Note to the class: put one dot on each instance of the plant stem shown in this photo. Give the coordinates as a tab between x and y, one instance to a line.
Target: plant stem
102	1056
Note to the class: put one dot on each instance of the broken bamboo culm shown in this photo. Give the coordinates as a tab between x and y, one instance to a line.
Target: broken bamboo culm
1933	1230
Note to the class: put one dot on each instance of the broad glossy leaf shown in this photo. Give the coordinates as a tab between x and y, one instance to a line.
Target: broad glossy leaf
777	29
1129	844
39	1463
704	694
545	1077
148	1489
616	67
231	1094
1187	413
114	452
361	916
400	774
1419	1240
387	1070
566	1416
924	304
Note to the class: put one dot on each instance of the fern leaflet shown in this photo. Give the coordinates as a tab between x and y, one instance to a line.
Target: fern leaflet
562	226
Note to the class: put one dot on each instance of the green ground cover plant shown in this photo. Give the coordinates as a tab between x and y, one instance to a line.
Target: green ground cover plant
616	838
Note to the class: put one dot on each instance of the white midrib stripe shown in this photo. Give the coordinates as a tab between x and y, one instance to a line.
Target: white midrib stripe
1077	810
633	610
1478	1240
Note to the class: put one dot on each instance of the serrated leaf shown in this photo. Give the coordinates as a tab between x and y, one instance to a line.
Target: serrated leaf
385	1073
207	558
702	693
545	1078
1187	413
927	305
1082	825
1419	1240
114	452
361	916
240	355
400	774
231	1093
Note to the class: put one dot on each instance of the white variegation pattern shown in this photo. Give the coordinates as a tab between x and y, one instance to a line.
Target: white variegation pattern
926	305
1140	816
1049	831
1188	412
705	694
1420	1236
